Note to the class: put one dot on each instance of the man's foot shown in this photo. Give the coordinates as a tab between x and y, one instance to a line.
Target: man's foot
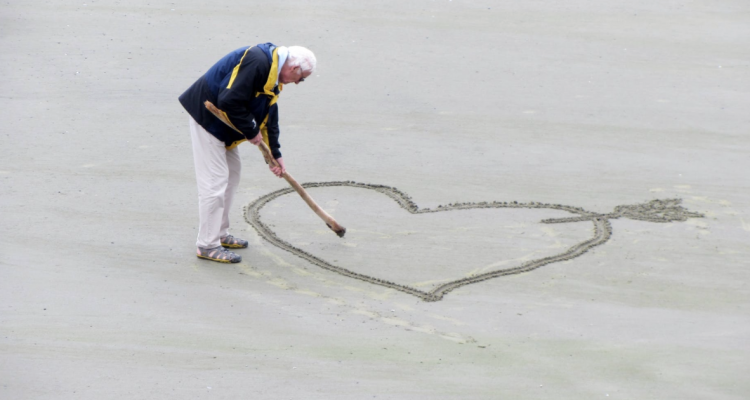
232	242
219	254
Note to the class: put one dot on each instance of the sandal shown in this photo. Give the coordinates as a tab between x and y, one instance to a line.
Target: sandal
232	242
219	254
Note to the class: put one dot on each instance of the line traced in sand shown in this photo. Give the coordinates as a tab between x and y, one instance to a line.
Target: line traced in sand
661	211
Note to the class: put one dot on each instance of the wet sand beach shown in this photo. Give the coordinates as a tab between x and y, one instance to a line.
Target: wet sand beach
496	166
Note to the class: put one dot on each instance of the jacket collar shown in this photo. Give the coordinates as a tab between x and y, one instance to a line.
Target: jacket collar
272	87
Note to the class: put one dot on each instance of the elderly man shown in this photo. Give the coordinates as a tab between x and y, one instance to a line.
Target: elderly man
245	85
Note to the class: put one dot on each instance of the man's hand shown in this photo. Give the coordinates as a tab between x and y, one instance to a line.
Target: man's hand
280	170
257	139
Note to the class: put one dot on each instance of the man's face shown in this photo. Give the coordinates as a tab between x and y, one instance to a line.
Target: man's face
292	74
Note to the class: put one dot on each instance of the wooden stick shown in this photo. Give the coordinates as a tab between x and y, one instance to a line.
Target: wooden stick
263	147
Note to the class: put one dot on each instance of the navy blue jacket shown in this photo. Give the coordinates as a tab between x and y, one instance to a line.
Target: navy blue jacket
243	85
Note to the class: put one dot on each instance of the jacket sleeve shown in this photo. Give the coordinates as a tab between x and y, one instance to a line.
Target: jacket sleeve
273	130
235	97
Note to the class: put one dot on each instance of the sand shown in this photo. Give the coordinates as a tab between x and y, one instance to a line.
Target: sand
591	105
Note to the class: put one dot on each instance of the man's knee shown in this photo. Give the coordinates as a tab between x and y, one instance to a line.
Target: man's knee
234	179
213	187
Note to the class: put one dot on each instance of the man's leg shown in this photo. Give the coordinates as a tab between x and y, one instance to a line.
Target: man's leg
212	175
234	165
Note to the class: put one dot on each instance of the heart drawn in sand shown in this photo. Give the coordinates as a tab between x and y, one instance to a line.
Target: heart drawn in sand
668	210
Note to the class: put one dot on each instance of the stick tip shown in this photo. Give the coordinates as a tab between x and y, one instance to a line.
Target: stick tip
338	229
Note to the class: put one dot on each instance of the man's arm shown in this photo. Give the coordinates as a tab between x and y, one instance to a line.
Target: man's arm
235	97
273	130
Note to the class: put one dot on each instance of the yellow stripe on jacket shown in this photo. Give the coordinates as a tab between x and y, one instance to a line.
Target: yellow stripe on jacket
236	69
268	90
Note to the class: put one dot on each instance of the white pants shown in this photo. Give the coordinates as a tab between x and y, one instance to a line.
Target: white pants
217	171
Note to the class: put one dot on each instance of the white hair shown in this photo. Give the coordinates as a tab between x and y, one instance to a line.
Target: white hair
302	57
